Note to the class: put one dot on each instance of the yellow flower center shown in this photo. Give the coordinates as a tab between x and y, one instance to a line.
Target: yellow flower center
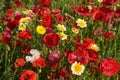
41	29
77	68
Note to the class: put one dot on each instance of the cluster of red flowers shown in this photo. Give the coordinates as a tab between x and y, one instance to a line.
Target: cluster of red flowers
81	50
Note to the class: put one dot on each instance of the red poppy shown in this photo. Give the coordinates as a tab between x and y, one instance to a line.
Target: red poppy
26	49
40	62
45	2
20	62
6	36
109	67
44	11
9	12
28	75
55	11
109	35
46	21
78	56
25	35
18	4
51	39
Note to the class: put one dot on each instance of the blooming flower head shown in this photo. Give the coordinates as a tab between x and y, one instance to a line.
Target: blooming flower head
22	27
61	27
24	20
62	35
20	62
75	30
41	29
81	23
77	68
94	47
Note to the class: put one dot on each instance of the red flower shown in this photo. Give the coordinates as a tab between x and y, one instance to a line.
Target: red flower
46	21
18	4
109	35
109	67
109	2
55	11
26	49
35	9
6	36
16	43
40	62
20	62
59	19
51	39
45	2
28	75
78	56
9	12
44	11
25	35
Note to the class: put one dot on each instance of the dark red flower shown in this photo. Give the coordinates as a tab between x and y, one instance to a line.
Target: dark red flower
67	52
75	8
6	36
51	39
117	13
59	19
9	12
25	49
20	62
64	74
28	75
44	11
40	62
46	21
35	9
109	2
78	56
25	35
16	43
109	67
45	2
18	4
55	11
109	35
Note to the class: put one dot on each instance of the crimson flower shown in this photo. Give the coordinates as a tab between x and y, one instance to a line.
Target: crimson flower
109	35
25	35
25	49
45	2
18	4
59	19
44	11
109	67
40	62
9	12
28	75
51	39
6	36
46	21
20	62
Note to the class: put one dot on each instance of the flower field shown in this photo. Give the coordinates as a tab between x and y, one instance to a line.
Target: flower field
60	40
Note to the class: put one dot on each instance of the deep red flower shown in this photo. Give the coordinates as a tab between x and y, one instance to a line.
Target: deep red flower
6	36
28	75
40	62
109	2
51	39
25	35
46	21
109	67
117	13
18	4
75	8
44	11
25	49
109	35
16	43
59	19
35	9
55	11
88	41
64	74
20	62
11	25
45	2
9	12
67	52
78	56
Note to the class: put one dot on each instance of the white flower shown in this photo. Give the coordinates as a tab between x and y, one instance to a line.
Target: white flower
77	68
29	59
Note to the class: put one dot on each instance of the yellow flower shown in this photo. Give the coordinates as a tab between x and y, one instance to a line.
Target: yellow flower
81	23
22	27
61	27
100	1
41	29
24	20
94	47
77	68
74	30
62	35
27	12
